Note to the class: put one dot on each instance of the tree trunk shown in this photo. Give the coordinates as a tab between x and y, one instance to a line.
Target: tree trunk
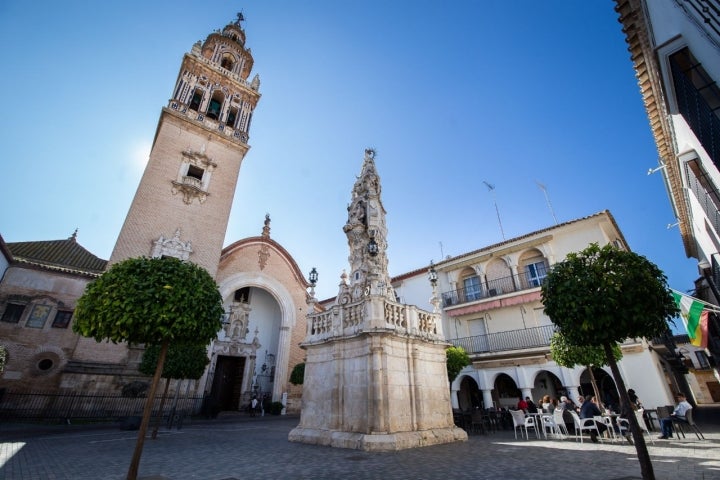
643	455
162	406
135	462
596	391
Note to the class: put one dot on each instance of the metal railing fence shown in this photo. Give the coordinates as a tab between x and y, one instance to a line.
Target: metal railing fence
69	406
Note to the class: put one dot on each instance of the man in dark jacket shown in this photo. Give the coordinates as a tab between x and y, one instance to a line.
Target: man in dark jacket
590	409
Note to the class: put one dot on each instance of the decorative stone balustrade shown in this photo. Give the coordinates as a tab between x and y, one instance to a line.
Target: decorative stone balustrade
355	318
183	109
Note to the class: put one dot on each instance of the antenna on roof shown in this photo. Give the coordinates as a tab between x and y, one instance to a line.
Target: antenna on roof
491	188
547	199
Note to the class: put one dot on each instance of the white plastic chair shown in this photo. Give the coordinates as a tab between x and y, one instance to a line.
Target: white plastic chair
548	424
623	425
610	426
585	425
560	421
641	423
523	423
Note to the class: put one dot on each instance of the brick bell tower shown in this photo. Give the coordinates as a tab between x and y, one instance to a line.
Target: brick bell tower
182	205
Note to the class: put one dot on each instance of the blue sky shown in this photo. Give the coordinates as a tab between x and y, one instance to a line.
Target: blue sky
450	94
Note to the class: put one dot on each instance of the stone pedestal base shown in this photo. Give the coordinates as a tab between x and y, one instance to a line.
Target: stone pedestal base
378	442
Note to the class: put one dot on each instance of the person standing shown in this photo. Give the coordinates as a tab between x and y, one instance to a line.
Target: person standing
681	409
634	399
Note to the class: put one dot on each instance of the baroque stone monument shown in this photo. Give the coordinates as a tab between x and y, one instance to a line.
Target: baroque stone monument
375	373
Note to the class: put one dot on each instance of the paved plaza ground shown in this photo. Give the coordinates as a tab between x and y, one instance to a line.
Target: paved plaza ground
240	448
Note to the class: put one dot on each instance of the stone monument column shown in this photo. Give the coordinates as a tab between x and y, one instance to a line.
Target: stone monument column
375	373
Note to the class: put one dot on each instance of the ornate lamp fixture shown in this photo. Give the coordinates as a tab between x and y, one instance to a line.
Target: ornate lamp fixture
313	276
372	247
432	274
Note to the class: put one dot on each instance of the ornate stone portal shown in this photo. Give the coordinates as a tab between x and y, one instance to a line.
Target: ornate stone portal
375	373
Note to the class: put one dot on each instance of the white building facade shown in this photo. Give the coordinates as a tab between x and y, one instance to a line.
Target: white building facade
491	306
675	49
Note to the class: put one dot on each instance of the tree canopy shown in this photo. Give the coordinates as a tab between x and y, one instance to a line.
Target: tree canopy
568	355
297	376
151	300
457	359
605	295
184	360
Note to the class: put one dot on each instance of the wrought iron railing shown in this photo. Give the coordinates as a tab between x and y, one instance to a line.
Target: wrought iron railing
706	15
704	198
697	112
490	288
503	341
69	406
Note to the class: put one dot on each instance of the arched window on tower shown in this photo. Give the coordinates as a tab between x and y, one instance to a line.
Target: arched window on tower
196	99
215	106
227	62
231	117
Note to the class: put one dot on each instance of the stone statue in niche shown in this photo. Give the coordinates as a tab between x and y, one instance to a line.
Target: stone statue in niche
357	214
237	326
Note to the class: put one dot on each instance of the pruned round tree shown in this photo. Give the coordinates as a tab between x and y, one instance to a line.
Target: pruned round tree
602	296
183	361
155	301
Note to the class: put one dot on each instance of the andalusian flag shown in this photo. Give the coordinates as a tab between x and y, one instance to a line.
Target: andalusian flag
695	317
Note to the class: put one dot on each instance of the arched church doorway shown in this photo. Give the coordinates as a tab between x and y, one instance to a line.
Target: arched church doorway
506	393
246	349
469	396
227	383
606	387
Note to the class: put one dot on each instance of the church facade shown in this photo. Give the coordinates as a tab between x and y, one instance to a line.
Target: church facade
181	209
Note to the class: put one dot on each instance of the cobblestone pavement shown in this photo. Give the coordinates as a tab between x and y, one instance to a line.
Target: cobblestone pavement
258	448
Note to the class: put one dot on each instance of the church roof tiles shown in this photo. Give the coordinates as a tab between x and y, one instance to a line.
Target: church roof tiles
59	255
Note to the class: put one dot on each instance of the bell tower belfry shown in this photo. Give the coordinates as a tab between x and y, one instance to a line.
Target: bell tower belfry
182	205
375	371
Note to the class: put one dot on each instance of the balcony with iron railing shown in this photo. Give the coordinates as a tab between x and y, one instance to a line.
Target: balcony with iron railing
535	337
696	110
704	198
521	339
491	288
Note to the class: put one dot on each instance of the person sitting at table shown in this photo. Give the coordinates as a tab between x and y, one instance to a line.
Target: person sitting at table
678	414
531	407
581	400
590	409
546	405
522	405
567	406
